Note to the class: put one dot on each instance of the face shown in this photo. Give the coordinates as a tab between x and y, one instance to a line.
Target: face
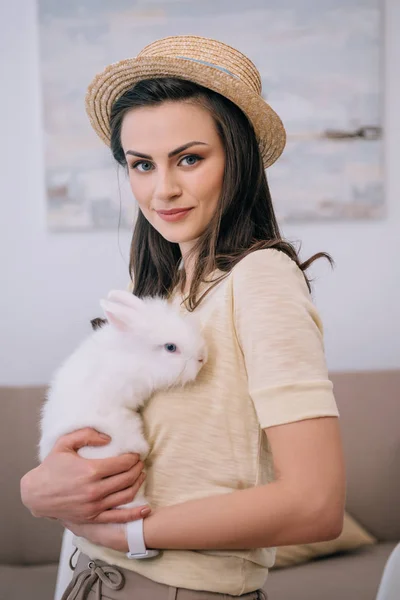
176	165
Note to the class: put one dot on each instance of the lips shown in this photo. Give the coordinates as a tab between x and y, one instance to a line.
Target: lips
175	214
173	211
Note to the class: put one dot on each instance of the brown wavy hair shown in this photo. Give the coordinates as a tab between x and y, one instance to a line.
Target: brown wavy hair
244	220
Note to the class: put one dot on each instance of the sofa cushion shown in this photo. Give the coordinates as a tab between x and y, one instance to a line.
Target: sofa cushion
24	539
34	582
353	536
349	576
370	423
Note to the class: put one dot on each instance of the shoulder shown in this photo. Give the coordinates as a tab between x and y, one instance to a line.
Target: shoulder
267	269
267	285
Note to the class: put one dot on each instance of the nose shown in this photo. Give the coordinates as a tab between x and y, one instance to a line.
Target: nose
166	186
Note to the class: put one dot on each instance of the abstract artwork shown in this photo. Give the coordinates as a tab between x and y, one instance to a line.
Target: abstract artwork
320	64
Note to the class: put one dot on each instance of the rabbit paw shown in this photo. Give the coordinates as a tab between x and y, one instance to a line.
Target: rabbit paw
139	500
143	449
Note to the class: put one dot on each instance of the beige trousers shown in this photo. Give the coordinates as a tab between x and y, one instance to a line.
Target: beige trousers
97	580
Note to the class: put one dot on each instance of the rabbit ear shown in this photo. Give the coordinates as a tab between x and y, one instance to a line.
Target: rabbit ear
118	315
126	298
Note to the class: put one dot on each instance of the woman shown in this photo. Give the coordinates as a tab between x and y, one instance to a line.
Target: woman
248	457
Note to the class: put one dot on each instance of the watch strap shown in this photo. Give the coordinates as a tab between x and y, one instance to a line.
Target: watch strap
135	539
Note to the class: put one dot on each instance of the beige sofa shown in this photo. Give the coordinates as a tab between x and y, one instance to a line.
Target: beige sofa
369	404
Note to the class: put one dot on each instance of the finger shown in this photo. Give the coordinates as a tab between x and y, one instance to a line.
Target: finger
122	496
117	483
121	515
107	467
82	437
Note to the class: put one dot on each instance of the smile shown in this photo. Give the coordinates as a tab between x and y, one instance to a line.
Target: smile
176	214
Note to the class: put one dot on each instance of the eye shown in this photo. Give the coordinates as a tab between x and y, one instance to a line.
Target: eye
145	164
170	347
191	159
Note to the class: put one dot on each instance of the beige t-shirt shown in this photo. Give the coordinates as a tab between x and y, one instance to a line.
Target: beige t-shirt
266	367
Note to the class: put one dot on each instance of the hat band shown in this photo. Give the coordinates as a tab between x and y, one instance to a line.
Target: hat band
203	62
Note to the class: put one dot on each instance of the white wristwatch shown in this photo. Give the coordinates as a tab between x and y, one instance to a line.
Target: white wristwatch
135	539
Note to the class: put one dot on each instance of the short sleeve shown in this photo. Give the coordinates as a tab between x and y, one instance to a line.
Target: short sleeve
280	334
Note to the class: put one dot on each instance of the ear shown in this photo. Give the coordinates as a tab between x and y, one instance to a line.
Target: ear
119	316
126	298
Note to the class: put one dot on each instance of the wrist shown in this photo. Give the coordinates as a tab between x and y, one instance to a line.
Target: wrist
110	536
121	541
148	533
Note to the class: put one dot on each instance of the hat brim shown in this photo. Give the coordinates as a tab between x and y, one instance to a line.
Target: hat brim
118	77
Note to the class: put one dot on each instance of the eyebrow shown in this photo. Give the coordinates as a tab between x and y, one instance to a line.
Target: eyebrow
170	154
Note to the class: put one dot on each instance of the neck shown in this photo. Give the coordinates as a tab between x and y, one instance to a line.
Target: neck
189	268
189	261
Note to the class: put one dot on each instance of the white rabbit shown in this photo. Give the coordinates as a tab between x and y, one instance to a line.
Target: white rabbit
147	345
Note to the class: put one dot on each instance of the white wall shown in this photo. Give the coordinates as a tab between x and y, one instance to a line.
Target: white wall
51	283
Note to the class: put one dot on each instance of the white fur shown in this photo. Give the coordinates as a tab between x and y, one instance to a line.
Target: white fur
115	370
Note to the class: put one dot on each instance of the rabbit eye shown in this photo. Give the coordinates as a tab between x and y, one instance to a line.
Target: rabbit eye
170	347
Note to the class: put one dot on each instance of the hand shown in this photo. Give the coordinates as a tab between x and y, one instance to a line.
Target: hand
70	488
109	536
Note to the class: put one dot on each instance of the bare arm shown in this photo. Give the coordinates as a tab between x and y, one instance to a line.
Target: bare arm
305	504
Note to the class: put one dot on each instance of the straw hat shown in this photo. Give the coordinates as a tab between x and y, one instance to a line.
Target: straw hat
210	63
